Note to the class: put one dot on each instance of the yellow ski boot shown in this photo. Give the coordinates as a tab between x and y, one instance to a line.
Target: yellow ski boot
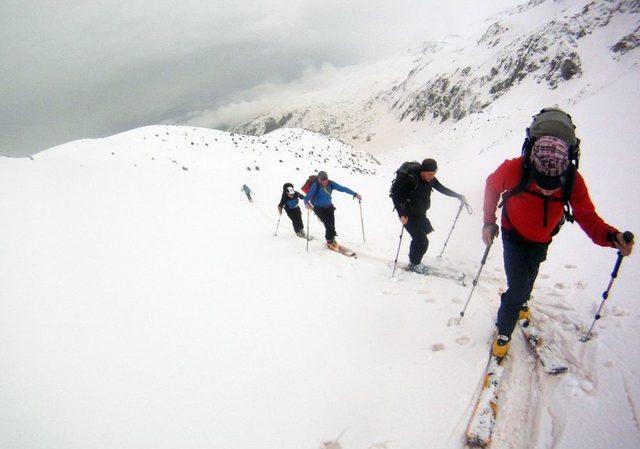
500	346
525	313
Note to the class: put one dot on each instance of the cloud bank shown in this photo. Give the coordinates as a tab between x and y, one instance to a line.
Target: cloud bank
87	69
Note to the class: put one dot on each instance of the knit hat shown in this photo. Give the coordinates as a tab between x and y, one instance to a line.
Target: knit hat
322	175
429	165
550	159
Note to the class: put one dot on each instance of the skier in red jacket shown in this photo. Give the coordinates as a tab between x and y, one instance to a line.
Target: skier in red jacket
541	188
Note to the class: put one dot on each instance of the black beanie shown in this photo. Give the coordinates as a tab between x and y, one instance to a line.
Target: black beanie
429	165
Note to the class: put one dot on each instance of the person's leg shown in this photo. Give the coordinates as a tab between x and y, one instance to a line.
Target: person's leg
323	216
537	255
296	218
419	241
521	263
292	217
331	225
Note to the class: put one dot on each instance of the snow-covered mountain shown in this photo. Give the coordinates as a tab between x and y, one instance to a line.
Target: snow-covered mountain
555	43
145	303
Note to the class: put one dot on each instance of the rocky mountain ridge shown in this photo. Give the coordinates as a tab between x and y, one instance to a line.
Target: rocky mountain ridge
540	40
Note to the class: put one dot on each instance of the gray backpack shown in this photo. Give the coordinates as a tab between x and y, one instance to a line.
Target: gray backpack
550	122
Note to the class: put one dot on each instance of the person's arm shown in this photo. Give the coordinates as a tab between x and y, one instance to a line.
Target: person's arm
585	214
340	188
300	195
283	200
506	177
313	191
444	190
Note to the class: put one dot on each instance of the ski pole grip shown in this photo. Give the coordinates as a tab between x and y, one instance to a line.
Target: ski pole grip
627	236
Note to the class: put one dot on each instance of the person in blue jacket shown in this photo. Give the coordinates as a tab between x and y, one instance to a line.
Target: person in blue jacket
319	199
289	201
247	191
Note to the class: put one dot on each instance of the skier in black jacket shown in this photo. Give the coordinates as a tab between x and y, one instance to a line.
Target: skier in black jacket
289	202
411	195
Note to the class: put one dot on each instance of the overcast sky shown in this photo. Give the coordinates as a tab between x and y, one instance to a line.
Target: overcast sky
83	69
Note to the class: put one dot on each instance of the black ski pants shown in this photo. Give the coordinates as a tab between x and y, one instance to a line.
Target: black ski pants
521	262
296	218
326	216
418	227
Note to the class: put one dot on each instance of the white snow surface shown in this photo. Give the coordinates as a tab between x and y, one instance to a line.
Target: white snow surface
145	303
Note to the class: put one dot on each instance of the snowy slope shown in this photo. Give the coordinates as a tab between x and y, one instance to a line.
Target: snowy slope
146	303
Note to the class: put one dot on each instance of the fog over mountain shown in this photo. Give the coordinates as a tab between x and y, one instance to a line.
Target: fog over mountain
77	70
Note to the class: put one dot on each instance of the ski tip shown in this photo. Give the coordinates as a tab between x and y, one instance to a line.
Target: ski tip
475	441
557	370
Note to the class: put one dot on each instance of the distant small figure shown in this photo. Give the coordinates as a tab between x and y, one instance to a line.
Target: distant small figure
247	191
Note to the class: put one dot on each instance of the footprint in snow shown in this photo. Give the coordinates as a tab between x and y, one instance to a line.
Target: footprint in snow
570	266
544	276
456	300
429	300
453	321
331	445
462	341
559	286
436	347
617	311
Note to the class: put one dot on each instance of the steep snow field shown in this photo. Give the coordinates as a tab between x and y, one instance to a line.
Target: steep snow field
147	304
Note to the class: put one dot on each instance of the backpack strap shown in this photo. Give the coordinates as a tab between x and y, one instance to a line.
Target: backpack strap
523	186
567	187
526	178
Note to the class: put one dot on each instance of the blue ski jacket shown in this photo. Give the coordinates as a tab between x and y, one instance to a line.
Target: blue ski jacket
290	203
321	196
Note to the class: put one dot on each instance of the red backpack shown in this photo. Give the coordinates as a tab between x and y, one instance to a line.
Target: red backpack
307	185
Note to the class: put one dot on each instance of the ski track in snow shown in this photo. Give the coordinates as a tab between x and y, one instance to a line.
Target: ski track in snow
146	303
522	387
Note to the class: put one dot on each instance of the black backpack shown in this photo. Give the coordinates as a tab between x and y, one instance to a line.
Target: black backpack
408	172
549	122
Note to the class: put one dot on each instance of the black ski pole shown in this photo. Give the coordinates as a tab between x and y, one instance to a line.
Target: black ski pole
469	210
628	237
475	281
362	222
279	217
395	263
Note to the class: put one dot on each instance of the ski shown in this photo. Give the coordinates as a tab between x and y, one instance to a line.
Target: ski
460	279
343	250
483	418
551	362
